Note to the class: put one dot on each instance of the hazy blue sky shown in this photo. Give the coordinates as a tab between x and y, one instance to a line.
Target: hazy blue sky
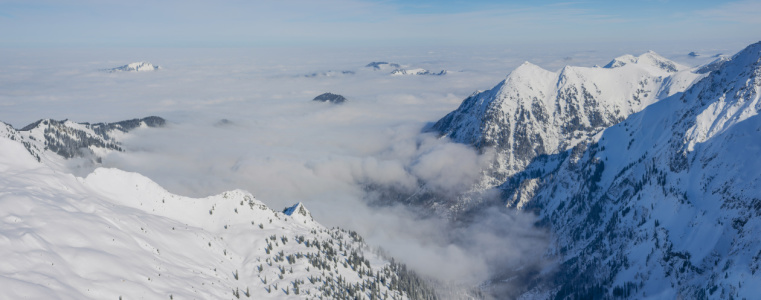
176	23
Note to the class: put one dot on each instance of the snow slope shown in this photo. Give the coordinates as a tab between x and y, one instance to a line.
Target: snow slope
115	234
663	205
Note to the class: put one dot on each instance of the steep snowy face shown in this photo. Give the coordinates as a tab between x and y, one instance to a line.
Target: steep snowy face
535	111
734	93
115	234
712	66
142	66
664	204
68	139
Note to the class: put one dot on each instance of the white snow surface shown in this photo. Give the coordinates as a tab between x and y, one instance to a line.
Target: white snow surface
118	234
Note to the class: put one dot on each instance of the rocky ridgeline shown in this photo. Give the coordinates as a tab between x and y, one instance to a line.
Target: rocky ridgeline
68	139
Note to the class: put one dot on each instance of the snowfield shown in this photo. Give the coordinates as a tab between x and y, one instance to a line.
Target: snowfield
115	234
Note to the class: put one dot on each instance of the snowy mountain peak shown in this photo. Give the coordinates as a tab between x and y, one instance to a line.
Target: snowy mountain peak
535	111
142	66
297	208
621	61
653	59
649	58
528	78
528	66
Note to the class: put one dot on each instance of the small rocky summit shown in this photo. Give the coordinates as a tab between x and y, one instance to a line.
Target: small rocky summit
142	66
382	65
330	97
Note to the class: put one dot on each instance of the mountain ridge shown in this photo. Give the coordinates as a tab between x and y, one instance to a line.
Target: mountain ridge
68	139
664	204
115	234
535	112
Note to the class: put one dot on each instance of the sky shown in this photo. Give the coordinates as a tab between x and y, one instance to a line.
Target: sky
347	23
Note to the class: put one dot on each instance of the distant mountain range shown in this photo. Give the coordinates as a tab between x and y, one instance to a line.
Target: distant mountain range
417	72
394	69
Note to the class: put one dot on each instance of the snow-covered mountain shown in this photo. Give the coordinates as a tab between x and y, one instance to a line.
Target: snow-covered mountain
115	234
417	72
142	66
535	112
396	69
50	139
713	65
663	205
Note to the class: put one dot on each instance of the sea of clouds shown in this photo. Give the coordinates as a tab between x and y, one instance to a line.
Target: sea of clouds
244	119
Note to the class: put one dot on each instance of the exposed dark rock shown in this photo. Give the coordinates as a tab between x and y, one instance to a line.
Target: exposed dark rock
330	97
377	65
224	123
